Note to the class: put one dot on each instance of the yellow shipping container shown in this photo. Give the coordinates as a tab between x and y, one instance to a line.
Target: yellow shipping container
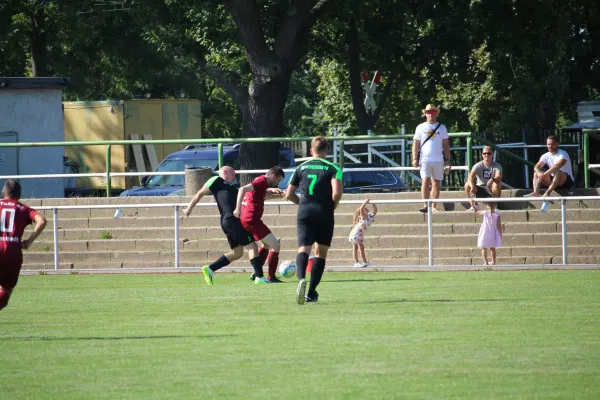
117	120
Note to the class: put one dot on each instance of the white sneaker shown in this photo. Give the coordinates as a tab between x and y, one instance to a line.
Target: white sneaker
367	264
358	265
477	208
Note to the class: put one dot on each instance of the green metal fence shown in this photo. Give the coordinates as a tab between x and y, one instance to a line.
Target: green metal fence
221	142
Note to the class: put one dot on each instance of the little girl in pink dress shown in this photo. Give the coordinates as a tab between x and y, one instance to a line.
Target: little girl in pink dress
490	233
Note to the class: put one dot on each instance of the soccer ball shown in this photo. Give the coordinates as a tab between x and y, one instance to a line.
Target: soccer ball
287	269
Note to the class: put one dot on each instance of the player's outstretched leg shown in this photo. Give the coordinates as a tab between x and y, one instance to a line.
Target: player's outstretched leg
223	261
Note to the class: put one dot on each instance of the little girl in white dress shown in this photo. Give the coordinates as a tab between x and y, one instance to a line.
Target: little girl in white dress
490	233
362	221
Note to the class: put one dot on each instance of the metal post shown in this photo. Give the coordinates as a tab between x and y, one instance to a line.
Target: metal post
341	154
586	158
220	156
403	152
369	153
430	231
526	167
176	209
469	153
335	146
563	217
108	169
55	221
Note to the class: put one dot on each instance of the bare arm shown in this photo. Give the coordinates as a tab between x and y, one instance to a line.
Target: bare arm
538	167
363	214
479	212
471	181
274	193
497	178
290	194
374	209
561	163
40	224
446	143
240	197
415	153
197	197
337	191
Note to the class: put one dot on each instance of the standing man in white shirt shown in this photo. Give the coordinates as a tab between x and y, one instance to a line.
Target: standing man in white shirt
431	152
559	174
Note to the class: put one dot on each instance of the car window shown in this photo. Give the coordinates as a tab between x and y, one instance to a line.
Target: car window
284	160
385	178
177	165
362	178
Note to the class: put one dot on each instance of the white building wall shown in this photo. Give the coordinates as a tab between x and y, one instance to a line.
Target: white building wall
36	115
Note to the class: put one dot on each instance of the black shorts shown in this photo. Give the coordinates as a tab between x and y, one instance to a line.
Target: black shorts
235	232
481	192
567	185
315	227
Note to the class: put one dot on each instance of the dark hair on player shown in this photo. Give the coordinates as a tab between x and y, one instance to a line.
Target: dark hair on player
277	171
12	189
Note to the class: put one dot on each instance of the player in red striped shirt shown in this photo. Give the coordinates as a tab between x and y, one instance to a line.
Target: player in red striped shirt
14	217
250	208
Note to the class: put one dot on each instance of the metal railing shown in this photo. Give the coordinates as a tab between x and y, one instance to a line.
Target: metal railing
176	206
219	142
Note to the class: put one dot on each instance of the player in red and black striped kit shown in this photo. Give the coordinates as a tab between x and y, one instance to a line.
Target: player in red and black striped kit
14	217
250	208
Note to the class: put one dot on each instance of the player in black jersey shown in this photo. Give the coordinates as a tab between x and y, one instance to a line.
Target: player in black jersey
239	239
320	183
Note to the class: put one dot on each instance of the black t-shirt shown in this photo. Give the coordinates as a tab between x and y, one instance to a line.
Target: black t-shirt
225	195
313	178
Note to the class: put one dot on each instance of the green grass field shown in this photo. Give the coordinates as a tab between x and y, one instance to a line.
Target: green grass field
460	335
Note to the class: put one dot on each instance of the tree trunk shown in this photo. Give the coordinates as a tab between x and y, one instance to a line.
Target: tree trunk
263	117
38	37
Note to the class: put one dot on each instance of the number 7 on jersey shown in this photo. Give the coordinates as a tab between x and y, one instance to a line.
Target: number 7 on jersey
313	180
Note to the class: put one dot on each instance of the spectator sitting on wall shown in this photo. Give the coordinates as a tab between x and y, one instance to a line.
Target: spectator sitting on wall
559	174
485	178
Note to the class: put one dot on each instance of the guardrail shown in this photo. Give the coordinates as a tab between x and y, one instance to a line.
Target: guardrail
587	133
219	142
176	207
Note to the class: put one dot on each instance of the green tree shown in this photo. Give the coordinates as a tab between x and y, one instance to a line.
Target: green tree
250	49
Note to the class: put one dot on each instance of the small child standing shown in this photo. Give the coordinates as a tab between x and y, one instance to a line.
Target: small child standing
490	233
362	221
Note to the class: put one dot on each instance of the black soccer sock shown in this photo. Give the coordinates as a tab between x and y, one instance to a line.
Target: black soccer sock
316	273
220	263
301	263
257	265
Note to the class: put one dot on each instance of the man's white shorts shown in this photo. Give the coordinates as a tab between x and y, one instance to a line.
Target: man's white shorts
432	169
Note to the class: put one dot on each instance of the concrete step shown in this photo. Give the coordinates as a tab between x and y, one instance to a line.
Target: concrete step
274	220
398	243
378	229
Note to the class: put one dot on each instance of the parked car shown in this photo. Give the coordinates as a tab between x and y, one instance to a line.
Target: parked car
195	156
364	181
